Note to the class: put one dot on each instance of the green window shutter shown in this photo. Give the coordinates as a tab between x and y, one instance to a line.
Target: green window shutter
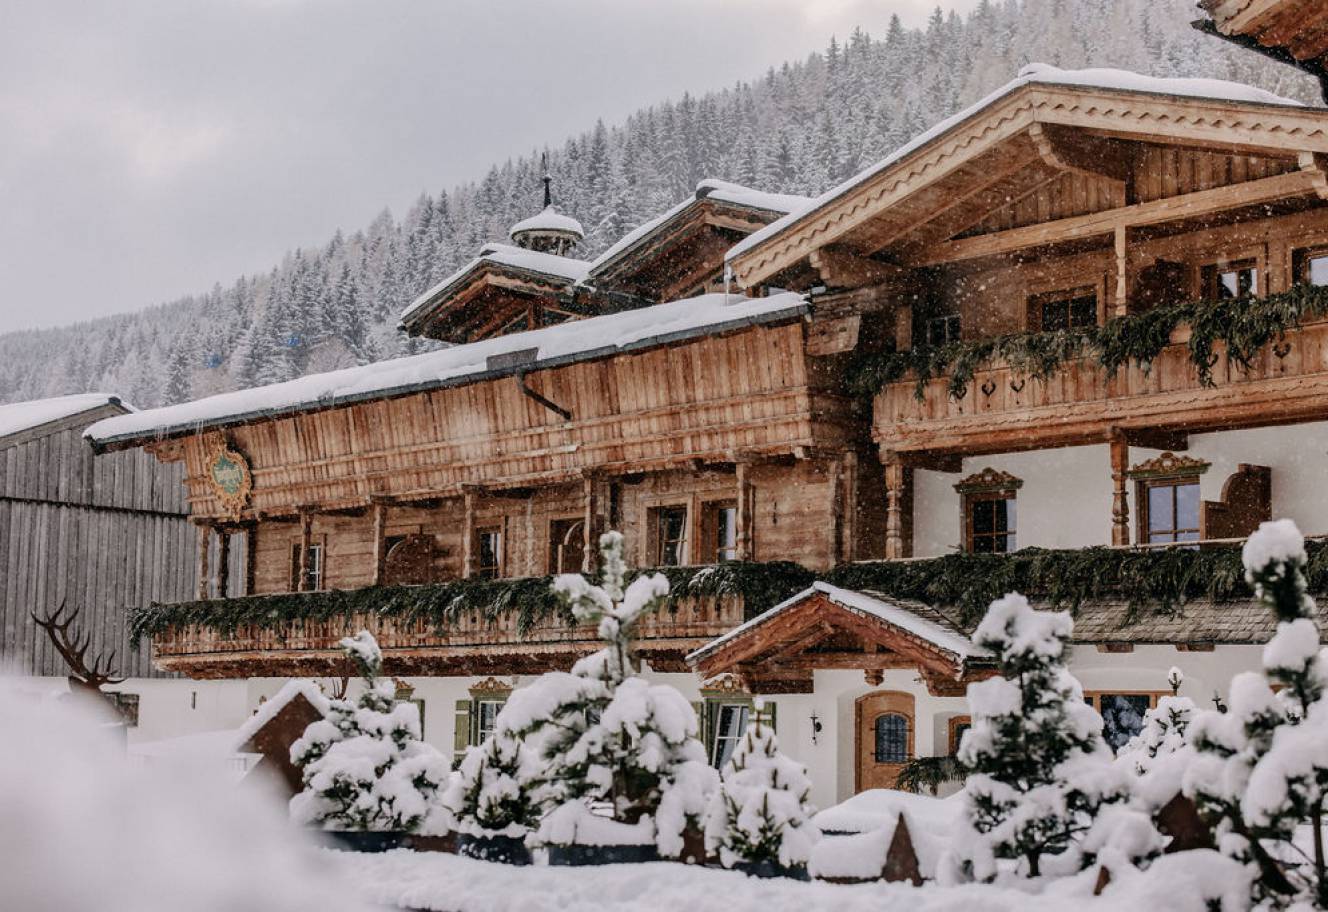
766	715
461	738
701	708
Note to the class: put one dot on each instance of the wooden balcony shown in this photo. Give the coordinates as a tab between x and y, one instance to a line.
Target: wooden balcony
469	644
1081	403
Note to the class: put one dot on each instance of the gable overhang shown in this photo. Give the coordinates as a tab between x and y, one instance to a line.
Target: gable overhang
779	650
481	277
1025	122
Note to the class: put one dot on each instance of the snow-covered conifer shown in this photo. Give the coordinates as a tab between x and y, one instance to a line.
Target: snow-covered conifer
494	791
1261	768
760	813
1039	768
364	765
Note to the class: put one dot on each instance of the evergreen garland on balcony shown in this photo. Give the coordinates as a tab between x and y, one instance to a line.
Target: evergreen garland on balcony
1243	325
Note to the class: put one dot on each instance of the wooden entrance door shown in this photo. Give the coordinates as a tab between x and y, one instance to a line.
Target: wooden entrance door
885	726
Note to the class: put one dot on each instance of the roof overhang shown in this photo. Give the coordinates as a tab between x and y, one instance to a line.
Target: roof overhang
479	277
979	143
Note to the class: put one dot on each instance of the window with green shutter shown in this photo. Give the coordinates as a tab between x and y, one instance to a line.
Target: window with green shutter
477	716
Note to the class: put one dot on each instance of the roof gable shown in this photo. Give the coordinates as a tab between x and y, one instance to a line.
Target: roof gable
21	421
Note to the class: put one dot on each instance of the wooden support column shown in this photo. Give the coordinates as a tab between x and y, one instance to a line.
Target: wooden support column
250	565
1119	299
745	513
306	543
1120	500
589	524
223	586
898	499
469	497
380	541
204	546
848	513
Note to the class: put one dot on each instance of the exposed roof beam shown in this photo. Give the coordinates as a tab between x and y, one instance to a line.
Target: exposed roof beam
1073	152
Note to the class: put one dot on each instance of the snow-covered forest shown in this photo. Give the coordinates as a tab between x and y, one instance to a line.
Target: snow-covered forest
801	127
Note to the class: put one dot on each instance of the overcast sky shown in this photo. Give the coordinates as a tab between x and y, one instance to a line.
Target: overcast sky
149	149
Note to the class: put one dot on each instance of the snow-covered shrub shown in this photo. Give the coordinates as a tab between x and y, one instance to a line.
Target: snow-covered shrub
760	813
1163	733
1261	768
493	792
1039	768
605	734
364	765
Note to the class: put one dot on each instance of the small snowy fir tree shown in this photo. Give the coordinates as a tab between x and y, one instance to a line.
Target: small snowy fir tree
604	733
760	814
364	765
493	793
1261	768
1039	768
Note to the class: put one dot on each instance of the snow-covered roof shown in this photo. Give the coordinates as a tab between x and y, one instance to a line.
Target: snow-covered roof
24	416
551	346
938	635
1034	73
549	219
712	189
268	710
547	265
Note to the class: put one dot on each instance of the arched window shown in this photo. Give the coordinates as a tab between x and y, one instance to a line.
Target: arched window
892	738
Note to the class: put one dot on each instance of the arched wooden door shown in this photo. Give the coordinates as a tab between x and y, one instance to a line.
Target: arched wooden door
885	728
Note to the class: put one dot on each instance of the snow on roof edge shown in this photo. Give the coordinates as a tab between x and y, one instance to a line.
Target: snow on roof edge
496	253
458	365
17	417
1033	73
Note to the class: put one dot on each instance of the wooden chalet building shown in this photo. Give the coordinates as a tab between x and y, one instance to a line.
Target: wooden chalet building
909	380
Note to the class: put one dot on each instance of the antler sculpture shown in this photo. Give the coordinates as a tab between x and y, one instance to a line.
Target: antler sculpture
73	649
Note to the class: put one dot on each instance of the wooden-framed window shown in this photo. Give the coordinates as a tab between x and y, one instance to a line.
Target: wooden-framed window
486	718
720	530
1311	266
941	330
730	723
891	738
488	552
127	705
1122	713
988	501
1056	310
567	545
958	725
1169	504
317	566
477	717
668	526
1238	279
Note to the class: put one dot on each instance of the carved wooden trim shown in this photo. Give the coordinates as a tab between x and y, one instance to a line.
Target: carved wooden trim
490	688
725	685
987	481
1169	465
228	476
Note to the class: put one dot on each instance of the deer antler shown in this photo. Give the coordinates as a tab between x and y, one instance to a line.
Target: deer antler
73	649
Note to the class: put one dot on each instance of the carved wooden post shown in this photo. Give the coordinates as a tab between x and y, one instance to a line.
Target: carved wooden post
897	544
380	540
306	544
1120	304
848	511
589	524
468	534
223	586
744	513
836	479
1120	500
250	565
204	545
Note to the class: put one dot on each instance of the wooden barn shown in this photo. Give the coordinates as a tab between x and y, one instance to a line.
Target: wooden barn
1073	333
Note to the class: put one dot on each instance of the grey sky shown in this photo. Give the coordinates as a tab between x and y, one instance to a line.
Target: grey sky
148	149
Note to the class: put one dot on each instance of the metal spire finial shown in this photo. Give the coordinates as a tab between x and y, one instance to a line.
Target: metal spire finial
548	181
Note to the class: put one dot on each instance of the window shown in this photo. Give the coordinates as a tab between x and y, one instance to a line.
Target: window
127	705
891	731
1122	714
486	718
958	725
1236	280
1312	266
315	567
488	553
1065	310
991	523
721	529
1170	510
941	330
567	545
730	723
670	530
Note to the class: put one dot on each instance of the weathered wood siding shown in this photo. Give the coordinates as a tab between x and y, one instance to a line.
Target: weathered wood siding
103	533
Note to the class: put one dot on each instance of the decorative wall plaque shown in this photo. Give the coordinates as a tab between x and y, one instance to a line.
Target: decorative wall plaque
229	476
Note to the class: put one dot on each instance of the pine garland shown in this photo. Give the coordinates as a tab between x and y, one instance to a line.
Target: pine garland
1242	325
1157	581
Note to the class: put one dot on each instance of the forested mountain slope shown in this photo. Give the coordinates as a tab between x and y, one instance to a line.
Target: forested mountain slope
800	127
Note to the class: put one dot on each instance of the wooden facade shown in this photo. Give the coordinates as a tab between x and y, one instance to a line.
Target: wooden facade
1294	32
1051	207
97	535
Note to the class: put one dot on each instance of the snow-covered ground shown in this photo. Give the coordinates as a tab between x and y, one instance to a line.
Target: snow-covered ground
449	883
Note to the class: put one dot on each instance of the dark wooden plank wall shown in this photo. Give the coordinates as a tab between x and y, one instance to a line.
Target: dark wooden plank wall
104	533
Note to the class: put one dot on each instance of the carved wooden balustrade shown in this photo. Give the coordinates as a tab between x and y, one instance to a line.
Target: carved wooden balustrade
468	644
1081	402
